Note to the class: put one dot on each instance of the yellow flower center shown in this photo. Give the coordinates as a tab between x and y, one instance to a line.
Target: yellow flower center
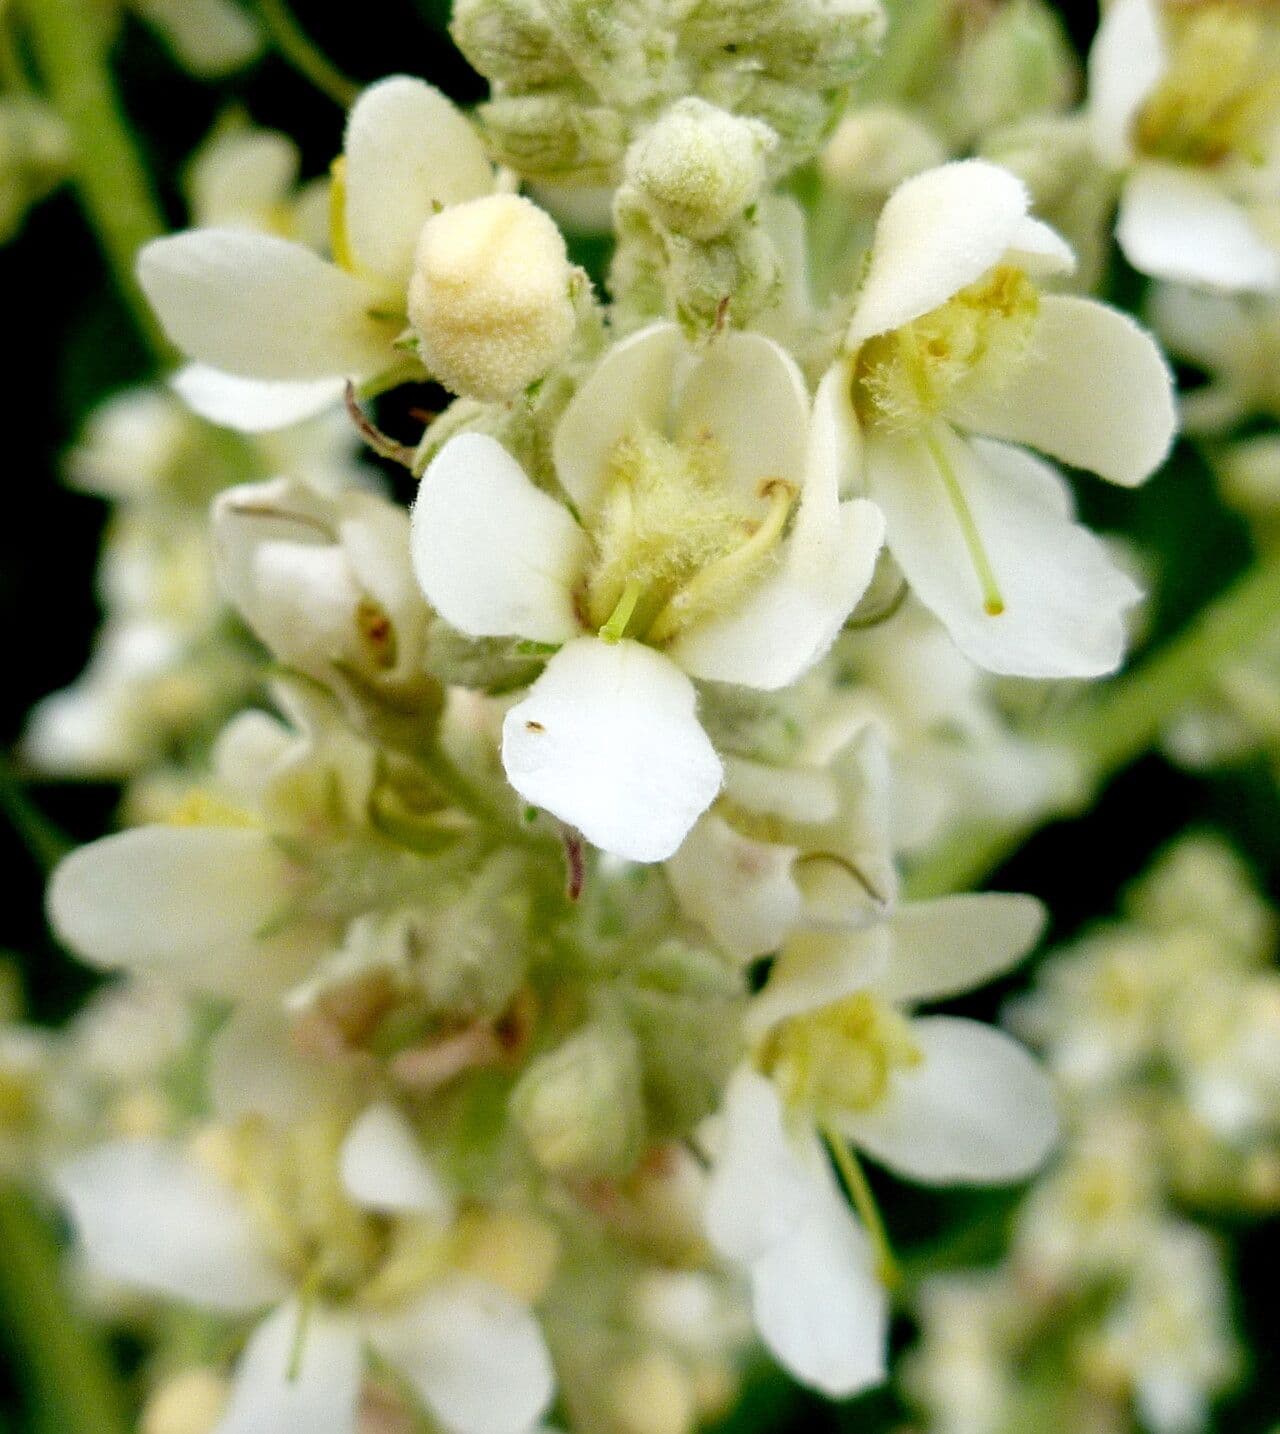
673	543
1218	98
840	1058
916	372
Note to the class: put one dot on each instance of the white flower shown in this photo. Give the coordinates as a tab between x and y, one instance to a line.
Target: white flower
1182	98
276	330
937	1099
154	1216
954	357
682	471
774	1208
243	177
325	582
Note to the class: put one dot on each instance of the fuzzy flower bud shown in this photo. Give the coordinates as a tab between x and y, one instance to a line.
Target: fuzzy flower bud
556	137
509	41
579	1107
699	167
490	298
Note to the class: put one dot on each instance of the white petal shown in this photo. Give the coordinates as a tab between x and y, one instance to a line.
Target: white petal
819	1307
977	1109
631	385
790	619
496	556
253	405
1040	250
185	902
147	1214
475	1355
260	307
1094	391
409	151
746	392
1064	599
740	890
956	943
816	969
254	1068
939	232
241	176
299	1374
1176	223
384	1167
765	1178
608	740
1126	62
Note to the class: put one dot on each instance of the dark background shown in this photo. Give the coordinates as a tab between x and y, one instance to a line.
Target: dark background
70	342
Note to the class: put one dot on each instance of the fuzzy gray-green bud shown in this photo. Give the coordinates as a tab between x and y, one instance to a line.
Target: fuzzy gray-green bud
728	280
556	136
822	44
510	42
580	1107
699	167
801	117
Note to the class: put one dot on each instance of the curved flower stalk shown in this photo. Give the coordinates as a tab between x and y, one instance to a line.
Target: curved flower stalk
1183	100
344	1235
276	330
937	1099
675	561
952	358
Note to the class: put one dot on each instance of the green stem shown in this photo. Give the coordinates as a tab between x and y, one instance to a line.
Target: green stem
72	1383
859	1191
46	843
115	191
1123	718
296	47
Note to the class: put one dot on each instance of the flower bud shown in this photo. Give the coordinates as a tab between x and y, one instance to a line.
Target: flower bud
874	149
556	137
190	1403
579	1107
699	167
509	42
822	44
491	296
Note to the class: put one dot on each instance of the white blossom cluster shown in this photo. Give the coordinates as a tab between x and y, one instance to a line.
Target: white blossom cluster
508	989
1113	1302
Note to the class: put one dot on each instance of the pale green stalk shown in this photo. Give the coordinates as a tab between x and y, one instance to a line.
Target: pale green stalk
71	50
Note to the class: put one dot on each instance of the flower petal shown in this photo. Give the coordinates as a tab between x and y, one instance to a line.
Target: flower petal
185	902
977	1108
631	385
254	1068
1064	600
299	1374
1176	223
940	231
819	1307
253	405
384	1167
260	307
1126	62
746	392
764	1177
409	152
496	556
816	969
475	1355
789	620
1094	391
740	890
955	943
148	1214
608	740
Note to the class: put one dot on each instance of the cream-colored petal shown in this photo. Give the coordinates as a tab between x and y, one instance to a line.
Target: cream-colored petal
1094	391
409	152
1126	62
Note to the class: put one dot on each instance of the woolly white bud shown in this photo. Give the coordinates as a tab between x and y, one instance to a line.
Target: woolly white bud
699	167
490	298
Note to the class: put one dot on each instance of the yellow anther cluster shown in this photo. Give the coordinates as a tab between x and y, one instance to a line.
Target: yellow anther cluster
904	377
1218	98
841	1057
673	542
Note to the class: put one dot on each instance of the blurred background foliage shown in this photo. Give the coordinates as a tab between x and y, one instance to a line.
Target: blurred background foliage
71	342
